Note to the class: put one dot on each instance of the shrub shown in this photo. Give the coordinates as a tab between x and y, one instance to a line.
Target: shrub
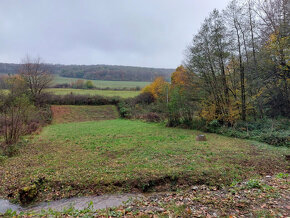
213	126
72	99
282	175
199	124
173	122
276	138
273	132
124	109
144	98
150	117
15	113
253	183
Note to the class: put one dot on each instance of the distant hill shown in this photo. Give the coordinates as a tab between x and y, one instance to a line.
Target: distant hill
99	72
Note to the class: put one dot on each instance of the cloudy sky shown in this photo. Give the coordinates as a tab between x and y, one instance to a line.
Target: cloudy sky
152	33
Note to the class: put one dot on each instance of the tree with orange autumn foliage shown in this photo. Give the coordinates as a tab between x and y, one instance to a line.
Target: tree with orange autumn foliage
158	88
179	77
184	80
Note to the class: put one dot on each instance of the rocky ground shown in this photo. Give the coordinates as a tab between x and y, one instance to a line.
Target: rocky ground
269	196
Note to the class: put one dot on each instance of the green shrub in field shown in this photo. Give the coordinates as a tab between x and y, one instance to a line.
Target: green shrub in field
213	126
282	175
253	183
124	109
276	138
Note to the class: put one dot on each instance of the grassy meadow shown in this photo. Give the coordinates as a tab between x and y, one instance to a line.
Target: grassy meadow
95	157
107	93
102	83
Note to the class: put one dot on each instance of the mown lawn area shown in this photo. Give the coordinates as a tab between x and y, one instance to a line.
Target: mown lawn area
108	93
95	157
102	83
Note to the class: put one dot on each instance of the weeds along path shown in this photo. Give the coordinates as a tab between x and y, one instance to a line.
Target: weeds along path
88	158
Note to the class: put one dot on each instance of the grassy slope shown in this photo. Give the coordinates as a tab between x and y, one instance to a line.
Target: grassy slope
96	157
103	83
72	113
108	93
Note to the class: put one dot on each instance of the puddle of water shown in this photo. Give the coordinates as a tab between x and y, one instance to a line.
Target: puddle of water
99	202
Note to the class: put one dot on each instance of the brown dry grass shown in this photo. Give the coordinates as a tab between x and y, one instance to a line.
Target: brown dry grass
72	113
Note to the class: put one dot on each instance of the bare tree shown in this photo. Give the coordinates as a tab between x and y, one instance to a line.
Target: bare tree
15	110
275	23
35	75
234	18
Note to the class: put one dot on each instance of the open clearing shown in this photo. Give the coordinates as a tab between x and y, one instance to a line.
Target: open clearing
85	158
102	83
107	93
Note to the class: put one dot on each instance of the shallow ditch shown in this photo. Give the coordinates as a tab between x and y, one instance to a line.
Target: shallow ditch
99	202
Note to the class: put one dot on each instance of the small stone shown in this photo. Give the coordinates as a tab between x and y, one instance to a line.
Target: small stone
194	187
200	138
268	177
159	210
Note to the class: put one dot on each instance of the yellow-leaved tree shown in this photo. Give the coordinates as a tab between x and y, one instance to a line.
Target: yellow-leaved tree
157	88
179	77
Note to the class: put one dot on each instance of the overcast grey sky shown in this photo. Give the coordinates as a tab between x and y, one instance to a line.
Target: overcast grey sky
152	33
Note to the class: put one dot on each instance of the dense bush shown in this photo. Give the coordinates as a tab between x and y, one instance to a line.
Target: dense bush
150	117
72	99
277	138
124	109
273	132
15	113
144	98
19	117
142	107
41	117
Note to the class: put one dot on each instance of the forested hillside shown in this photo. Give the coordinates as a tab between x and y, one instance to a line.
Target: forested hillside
98	72
235	77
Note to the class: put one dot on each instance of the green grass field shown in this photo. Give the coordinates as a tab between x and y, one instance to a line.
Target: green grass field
85	158
103	83
108	93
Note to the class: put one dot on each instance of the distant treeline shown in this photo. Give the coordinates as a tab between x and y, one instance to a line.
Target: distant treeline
98	72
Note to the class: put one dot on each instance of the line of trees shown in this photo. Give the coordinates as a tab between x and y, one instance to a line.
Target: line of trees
98	72
78	84
241	56
115	73
235	78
